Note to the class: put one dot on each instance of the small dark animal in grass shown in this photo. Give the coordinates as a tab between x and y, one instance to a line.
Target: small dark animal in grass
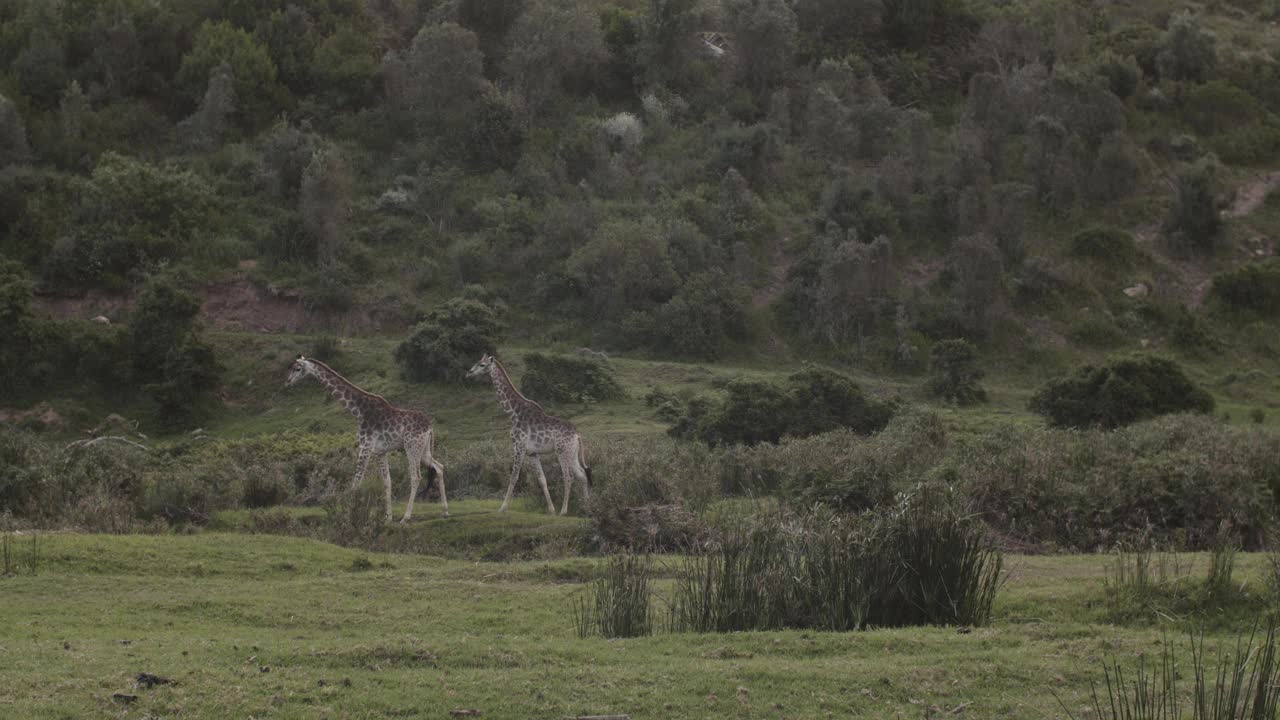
382	427
149	681
535	432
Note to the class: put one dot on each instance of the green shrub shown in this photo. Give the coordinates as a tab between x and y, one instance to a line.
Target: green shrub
618	600
647	495
923	561
1177	478
451	338
1252	287
956	373
1193	223
813	401
1108	245
1095	332
1123	391
24	464
559	378
840	469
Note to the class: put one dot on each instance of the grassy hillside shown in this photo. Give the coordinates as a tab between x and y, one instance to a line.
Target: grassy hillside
849	184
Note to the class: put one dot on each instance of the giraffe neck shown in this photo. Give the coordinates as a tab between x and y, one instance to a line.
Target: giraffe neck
513	403
355	400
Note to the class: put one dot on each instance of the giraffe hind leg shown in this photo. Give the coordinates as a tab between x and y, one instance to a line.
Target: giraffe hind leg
435	468
542	480
386	484
566	463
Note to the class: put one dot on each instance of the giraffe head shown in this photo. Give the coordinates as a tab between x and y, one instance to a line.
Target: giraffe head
481	367
297	371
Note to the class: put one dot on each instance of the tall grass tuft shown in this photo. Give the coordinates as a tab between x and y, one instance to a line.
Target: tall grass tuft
617	604
925	561
1244	685
1222	562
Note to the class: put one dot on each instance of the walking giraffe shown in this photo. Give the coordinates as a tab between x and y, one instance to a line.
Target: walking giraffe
381	428
534	432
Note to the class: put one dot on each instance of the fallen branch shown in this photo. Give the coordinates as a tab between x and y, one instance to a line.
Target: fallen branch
103	438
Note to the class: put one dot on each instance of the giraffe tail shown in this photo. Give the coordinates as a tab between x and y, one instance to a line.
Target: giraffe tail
431	444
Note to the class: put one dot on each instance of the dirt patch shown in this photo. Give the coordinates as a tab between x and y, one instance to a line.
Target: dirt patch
42	414
235	304
1250	196
779	266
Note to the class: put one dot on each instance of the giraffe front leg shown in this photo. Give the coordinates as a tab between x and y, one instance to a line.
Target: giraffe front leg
439	471
414	474
386	484
515	475
362	465
542	480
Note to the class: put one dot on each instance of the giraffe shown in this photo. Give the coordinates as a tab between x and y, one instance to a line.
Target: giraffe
533	433
381	428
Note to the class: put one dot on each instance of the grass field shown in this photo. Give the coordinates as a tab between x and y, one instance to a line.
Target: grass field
276	627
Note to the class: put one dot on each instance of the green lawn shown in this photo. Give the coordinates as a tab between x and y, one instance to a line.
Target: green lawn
277	627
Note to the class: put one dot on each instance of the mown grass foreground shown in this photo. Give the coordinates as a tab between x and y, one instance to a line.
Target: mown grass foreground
273	627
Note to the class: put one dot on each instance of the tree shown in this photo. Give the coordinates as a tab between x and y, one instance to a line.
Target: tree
258	93
169	356
625	267
290	38
72	112
1193	223
1190	52
764	41
345	66
668	41
41	67
13	134
977	271
449	340
956	372
324	200
444	75
554	45
216	108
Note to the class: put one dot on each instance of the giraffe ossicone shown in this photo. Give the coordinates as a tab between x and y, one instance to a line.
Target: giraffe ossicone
380	428
535	432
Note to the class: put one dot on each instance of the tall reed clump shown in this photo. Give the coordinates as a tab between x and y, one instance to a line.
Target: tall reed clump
1244	684
924	561
617	604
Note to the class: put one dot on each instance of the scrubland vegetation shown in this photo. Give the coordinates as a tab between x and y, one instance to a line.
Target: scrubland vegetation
925	354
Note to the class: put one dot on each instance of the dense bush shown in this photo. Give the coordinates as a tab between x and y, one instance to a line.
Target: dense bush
1176	478
560	378
169	356
1193	224
1252	287
1108	245
812	401
1120	392
449	340
839	468
922	561
956	373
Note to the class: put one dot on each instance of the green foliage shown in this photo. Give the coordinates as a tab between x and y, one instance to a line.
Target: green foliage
842	470
1189	51
617	603
922	561
813	401
554	45
1193	224
1177	478
346	67
169	356
1120	392
563	379
702	320
1250	288
129	216
956	373
1218	106
444	71
764	33
257	90
1109	246
449	340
